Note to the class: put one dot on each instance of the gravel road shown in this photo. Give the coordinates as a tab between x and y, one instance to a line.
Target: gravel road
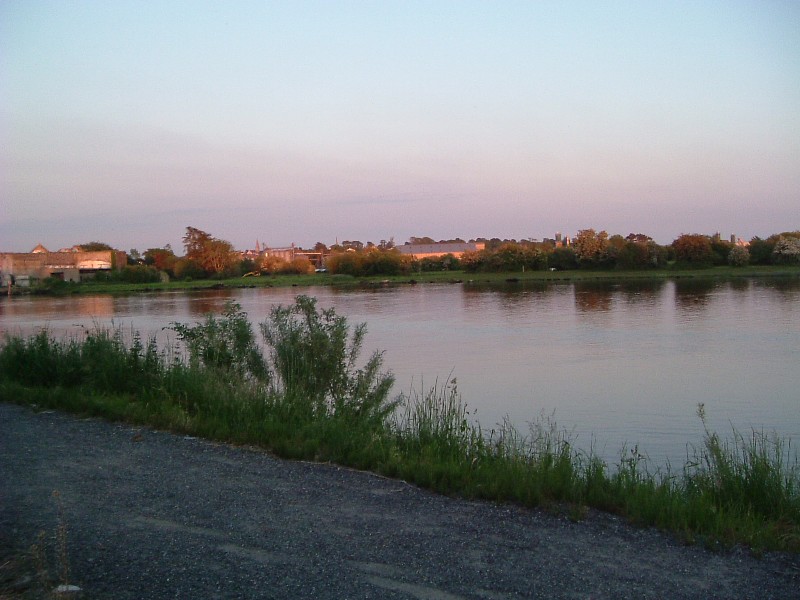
154	515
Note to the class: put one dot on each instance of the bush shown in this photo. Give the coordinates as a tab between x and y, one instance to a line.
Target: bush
298	266
345	263
739	256
448	262
761	250
786	251
372	262
693	250
187	270
562	259
140	274
226	344
314	357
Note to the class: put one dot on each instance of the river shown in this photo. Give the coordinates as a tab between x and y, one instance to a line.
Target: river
615	364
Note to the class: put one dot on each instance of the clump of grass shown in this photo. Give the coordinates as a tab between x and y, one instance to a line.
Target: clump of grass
306	394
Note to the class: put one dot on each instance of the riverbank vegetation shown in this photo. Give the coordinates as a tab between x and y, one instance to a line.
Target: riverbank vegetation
53	287
305	393
210	262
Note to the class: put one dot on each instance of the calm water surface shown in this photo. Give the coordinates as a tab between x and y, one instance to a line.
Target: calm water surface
617	364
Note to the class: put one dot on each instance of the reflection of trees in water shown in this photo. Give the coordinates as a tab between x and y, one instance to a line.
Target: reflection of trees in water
691	294
594	296
513	298
83	306
785	288
210	301
740	285
642	292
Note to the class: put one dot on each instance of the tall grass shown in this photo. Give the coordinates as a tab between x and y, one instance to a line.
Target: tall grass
304	392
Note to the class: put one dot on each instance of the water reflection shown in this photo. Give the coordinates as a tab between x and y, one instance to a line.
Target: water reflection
623	362
200	304
593	297
787	289
647	292
515	299
691	295
740	285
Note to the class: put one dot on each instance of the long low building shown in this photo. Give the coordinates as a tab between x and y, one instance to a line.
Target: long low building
420	251
25	268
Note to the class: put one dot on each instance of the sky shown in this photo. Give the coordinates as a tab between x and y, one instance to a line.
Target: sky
305	121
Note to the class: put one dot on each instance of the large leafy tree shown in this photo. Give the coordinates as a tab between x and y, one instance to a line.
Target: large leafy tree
162	259
213	255
591	247
693	249
787	250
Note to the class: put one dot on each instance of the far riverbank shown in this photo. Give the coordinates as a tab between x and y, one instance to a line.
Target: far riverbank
455	277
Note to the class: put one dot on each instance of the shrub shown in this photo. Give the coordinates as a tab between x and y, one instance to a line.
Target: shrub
786	251
693	250
187	269
140	274
739	256
314	358
272	264
298	266
562	259
345	263
226	344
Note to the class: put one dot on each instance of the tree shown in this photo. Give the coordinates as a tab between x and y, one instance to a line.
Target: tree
214	256
761	250
218	256
591	247
345	263
786	251
271	264
352	245
719	250
693	249
94	246
472	260
562	259
298	266
194	242
739	256
162	259
420	240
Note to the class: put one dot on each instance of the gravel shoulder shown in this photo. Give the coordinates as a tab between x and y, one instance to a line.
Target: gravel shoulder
156	515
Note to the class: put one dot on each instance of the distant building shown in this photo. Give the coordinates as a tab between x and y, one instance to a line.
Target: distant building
23	268
559	241
291	252
420	251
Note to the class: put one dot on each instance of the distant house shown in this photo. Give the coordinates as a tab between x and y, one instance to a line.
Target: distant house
23	268
457	249
290	253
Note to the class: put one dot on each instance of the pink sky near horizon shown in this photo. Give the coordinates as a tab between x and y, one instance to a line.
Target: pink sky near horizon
315	121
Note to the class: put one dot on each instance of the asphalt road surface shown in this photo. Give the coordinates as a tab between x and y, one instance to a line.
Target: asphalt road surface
153	515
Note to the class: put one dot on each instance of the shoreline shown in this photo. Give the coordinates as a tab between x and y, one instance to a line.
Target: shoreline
426	278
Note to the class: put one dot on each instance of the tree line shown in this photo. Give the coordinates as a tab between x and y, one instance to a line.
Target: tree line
206	256
589	249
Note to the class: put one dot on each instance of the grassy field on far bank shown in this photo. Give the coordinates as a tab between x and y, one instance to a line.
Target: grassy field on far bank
458	277
310	396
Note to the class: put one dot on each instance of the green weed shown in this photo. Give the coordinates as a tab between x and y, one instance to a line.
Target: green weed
303	392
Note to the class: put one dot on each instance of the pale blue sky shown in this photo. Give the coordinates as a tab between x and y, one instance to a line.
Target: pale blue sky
310	121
